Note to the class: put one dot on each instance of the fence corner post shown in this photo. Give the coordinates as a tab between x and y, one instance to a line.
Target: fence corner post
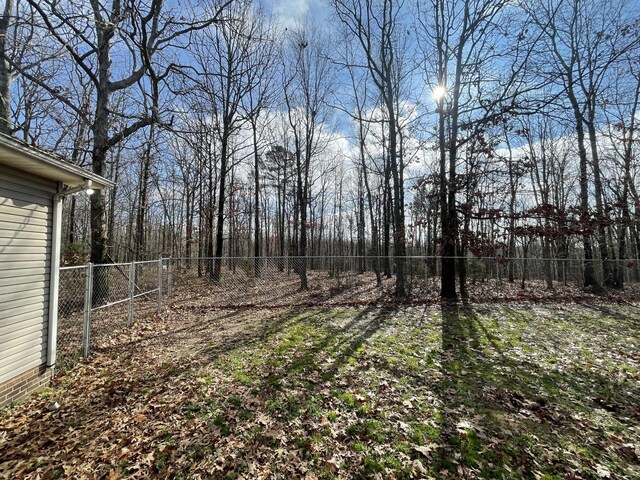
88	300
132	285
170	281
160	264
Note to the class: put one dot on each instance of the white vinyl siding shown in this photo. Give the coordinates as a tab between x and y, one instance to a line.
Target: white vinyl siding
25	252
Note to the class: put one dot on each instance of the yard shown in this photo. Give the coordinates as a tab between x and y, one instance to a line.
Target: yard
483	391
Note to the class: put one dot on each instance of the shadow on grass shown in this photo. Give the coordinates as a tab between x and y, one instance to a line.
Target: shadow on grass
314	347
501	415
606	310
506	417
114	407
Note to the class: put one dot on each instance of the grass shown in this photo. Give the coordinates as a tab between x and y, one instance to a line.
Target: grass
443	392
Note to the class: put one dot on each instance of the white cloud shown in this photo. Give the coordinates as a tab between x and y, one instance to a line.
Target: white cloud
290	11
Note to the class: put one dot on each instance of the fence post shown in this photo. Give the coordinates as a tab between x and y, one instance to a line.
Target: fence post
170	281
88	299
132	289
159	284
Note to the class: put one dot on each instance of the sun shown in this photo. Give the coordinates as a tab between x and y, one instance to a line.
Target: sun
439	92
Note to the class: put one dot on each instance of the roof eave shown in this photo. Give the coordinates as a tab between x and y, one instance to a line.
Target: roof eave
21	156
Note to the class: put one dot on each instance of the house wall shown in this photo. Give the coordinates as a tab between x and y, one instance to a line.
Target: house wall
24	384
25	252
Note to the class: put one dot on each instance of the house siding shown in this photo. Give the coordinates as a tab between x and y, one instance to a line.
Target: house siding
25	252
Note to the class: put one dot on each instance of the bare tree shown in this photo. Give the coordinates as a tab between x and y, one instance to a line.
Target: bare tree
584	40
5	73
89	34
229	70
477	78
307	83
261	74
623	133
377	26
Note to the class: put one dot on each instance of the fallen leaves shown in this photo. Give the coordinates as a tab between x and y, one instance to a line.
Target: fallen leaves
343	393
425	449
603	471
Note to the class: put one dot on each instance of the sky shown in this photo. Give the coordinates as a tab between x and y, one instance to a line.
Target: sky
288	11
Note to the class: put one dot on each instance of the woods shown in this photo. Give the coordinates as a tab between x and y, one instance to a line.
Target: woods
455	129
328	239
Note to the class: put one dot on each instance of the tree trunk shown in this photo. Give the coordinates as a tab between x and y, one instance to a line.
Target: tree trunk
548	265
281	221
140	247
395	164
589	275
609	278
97	203
100	129
375	240
361	250
189	214
5	75
256	203
462	255
386	220
525	254
302	191
448	270
215	274
71	238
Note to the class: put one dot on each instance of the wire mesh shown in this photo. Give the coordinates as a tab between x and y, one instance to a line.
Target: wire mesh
122	293
118	293
110	284
145	288
146	279
295	281
290	280
278	280
71	297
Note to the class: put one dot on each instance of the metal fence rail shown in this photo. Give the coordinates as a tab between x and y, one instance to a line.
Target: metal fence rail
97	300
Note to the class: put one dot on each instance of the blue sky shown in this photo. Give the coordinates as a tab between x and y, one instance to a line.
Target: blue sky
288	11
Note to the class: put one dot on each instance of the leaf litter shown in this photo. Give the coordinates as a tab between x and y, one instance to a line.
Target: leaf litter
518	391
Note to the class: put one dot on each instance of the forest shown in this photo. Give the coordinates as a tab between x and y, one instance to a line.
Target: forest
347	239
447	129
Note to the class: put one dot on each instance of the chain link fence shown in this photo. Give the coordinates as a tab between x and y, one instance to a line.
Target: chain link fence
96	301
71	307
295	281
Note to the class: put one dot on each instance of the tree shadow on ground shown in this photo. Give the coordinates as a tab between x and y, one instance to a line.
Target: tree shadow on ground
606	310
500	409
245	387
125	396
298	379
317	346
